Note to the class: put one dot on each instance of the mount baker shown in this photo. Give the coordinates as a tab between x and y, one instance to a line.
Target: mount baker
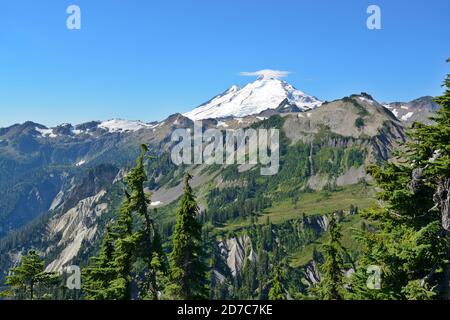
265	93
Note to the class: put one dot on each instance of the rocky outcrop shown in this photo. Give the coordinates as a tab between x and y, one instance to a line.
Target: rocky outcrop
352	176
311	272
96	179
322	222
418	110
74	227
234	252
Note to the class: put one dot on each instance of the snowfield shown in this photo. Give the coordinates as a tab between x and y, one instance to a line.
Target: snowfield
46	132
262	94
119	125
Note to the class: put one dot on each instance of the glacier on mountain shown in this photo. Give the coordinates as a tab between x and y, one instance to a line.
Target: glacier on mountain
262	94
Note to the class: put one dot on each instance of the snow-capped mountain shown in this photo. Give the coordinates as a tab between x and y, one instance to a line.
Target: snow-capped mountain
120	125
262	94
90	128
418	110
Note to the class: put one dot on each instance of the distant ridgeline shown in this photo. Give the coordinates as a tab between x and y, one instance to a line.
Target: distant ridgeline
60	187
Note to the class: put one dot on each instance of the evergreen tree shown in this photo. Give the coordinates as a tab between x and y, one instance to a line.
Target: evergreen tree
411	240
133	237
149	241
276	292
97	276
430	156
331	285
123	254
187	266
30	276
109	276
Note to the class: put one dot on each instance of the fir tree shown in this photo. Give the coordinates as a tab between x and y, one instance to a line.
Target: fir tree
148	239
97	276
123	254
331	285
276	292
187	266
411	240
30	276
133	237
430	155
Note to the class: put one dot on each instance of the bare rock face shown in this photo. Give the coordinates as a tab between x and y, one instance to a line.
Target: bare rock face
341	118
234	252
311	272
74	227
323	222
418	110
219	277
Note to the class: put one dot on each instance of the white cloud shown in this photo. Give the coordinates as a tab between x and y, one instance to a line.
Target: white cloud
266	73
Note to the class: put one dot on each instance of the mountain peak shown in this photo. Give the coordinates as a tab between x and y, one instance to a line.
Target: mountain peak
234	88
267	92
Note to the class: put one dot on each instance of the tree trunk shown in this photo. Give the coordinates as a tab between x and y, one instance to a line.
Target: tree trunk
442	199
31	289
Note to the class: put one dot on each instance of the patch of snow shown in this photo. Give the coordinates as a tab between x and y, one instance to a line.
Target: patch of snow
80	163
255	97
222	124
154	126
119	125
395	112
366	100
407	116
404	107
48	133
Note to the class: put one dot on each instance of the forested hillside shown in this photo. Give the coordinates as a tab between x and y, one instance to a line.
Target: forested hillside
356	190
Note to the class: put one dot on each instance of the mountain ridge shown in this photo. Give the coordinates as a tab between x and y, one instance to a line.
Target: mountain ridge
255	97
325	148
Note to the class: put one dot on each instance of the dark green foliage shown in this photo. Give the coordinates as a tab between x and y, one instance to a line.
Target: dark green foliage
276	291
359	123
132	238
30	277
164	171
410	238
98	276
187	262
123	254
267	252
362	112
331	286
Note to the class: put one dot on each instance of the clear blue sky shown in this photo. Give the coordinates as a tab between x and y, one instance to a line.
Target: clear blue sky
142	59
